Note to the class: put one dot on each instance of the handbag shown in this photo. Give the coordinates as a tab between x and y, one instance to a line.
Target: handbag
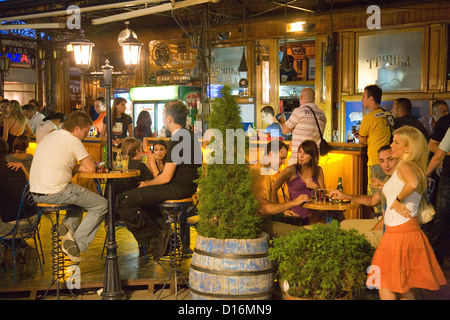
324	148
425	211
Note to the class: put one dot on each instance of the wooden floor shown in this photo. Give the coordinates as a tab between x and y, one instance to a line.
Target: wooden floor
135	271
141	280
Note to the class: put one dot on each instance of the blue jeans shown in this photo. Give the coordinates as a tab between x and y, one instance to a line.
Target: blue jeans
440	229
96	207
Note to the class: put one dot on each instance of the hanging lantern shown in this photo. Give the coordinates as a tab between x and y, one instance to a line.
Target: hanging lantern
82	50
131	51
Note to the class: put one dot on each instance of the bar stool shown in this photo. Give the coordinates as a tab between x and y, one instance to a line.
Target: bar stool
173	210
58	257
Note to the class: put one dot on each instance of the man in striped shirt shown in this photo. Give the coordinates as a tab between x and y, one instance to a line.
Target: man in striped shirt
303	124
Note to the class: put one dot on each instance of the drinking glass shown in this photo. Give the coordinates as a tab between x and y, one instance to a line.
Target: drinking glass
125	159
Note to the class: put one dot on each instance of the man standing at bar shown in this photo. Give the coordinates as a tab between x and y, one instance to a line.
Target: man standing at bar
274	127
54	163
401	111
303	124
184	157
375	132
34	117
439	108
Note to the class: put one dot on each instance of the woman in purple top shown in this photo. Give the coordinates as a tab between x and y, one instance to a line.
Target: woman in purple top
302	178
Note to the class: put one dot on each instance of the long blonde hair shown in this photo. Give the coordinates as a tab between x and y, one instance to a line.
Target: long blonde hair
418	150
15	111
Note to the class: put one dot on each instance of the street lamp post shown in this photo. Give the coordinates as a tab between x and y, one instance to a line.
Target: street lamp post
112	288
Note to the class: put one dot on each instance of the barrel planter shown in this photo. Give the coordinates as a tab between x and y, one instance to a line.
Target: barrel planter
231	269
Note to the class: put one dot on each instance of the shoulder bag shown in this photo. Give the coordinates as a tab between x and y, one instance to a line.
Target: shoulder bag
425	211
324	148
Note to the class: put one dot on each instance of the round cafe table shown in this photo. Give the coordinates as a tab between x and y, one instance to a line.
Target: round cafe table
110	175
112	289
330	206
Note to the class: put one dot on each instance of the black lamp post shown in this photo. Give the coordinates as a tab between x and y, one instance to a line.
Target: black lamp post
112	288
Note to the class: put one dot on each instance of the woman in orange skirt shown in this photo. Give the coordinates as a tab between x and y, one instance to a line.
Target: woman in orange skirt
404	258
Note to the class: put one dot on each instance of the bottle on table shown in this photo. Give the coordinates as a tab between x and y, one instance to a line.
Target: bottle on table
339	186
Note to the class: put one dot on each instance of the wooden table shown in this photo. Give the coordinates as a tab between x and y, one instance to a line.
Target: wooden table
329	206
110	175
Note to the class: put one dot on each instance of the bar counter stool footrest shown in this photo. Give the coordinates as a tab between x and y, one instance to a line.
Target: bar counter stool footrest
173	210
58	257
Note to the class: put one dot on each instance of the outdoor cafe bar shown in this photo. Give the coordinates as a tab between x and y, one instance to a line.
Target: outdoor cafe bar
266	52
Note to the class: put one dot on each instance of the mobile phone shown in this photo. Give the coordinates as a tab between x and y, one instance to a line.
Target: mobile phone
151	148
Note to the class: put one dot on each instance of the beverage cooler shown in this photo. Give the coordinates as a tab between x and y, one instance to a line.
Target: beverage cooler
153	99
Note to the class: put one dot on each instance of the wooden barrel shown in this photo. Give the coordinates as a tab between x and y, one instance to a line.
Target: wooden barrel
231	269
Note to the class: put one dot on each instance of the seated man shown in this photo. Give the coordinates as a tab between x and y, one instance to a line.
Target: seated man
54	163
274	127
175	182
371	228
12	184
262	176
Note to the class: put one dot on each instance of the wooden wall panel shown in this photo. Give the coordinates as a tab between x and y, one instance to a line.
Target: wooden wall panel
437	54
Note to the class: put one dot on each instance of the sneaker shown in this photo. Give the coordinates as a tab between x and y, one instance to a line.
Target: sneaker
70	249
160	244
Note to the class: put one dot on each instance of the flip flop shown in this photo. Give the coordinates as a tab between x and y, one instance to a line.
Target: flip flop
65	233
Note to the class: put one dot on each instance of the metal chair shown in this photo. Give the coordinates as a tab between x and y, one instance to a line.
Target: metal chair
58	257
28	230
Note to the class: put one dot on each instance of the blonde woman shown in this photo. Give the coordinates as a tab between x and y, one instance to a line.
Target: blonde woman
404	258
15	124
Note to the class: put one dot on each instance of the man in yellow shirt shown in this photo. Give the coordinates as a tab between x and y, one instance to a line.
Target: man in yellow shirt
375	131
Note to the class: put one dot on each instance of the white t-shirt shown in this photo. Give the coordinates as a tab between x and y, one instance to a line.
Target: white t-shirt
36	120
44	129
53	161
304	127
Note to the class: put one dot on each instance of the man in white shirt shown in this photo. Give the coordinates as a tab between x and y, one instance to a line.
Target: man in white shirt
303	124
57	157
34	118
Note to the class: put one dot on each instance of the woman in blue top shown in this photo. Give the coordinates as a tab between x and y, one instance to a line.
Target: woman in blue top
302	178
122	124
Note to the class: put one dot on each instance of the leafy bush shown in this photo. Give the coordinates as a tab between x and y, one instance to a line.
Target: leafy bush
227	207
322	263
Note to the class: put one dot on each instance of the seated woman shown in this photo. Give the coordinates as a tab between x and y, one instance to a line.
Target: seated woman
157	158
53	121
302	178
132	148
19	154
12	184
15	124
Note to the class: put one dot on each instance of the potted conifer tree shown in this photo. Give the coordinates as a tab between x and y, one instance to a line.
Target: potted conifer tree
230	258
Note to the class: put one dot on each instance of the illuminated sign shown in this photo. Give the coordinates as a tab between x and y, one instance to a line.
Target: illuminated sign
18	58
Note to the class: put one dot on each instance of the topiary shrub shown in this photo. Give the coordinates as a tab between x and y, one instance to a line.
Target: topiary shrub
324	263
227	208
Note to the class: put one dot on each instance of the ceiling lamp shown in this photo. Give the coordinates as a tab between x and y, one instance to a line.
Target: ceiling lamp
131	48
82	49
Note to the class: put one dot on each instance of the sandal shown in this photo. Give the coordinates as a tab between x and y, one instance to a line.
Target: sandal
70	249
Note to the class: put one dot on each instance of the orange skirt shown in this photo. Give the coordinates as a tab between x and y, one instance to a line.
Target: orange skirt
404	260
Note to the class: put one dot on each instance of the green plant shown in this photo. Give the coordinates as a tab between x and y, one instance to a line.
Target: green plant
227	207
323	263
